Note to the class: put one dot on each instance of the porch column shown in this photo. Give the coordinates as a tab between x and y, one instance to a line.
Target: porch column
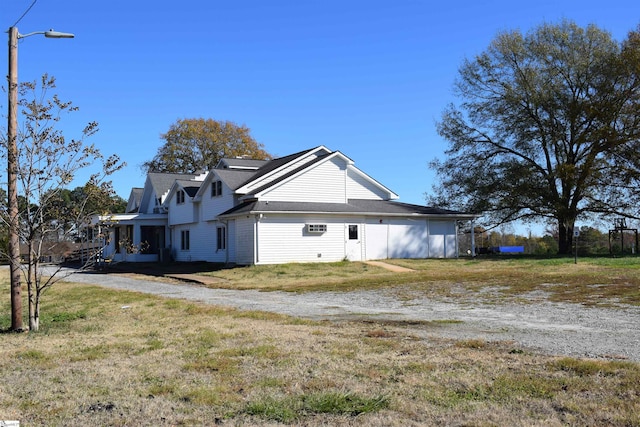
473	239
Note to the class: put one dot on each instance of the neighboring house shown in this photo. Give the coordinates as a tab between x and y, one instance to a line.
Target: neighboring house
306	207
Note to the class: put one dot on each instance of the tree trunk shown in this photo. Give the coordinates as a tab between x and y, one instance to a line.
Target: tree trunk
34	312
32	289
565	236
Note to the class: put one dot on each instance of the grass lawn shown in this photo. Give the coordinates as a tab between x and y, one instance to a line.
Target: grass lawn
106	357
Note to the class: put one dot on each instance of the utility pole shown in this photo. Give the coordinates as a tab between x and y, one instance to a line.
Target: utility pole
12	188
12	171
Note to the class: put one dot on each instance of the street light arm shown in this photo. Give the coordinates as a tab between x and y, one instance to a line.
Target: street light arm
49	34
58	35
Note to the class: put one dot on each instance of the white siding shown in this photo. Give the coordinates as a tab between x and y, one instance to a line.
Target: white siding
407	238
181	213
442	239
283	171
323	183
360	188
231	241
284	239
176	251
213	206
201	242
410	238
377	232
243	241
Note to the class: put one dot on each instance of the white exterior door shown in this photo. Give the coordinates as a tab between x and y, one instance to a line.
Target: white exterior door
376	244
442	239
353	246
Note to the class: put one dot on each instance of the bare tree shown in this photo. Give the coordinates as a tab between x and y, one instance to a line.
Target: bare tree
47	163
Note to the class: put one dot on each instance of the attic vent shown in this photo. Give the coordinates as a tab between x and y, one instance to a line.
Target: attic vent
316	228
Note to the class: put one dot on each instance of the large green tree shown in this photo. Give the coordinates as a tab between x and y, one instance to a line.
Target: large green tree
193	145
547	129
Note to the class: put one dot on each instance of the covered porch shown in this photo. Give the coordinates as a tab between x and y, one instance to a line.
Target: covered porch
133	237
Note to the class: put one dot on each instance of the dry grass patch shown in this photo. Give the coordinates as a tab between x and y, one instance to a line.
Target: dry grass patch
133	359
593	281
336	276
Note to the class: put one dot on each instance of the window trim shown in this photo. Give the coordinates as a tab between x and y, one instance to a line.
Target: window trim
316	228
216	188
185	238
353	231
180	197
221	238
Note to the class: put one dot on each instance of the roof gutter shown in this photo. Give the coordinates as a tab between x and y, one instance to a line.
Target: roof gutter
370	214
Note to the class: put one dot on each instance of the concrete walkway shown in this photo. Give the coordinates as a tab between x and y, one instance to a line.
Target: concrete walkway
390	267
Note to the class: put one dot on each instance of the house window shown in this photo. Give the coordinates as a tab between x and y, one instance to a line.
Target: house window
216	188
353	232
316	228
221	238
180	197
184	240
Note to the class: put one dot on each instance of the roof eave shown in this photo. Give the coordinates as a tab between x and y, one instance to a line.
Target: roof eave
351	213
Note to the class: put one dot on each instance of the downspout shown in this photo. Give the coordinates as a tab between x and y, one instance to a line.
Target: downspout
256	229
457	248
428	238
388	238
226	239
171	231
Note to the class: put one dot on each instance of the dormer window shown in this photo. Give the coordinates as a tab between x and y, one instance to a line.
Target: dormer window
180	197
216	188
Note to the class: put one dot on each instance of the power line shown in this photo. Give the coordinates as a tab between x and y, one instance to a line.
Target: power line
25	13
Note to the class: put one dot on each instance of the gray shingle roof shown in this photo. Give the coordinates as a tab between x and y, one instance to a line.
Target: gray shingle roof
135	197
234	178
162	182
190	187
354	206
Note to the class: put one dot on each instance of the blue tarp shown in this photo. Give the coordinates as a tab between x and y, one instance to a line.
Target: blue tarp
501	250
509	249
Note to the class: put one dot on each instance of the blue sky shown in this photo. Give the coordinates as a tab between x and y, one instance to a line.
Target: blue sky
368	78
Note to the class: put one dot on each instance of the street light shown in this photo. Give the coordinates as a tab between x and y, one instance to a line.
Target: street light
12	170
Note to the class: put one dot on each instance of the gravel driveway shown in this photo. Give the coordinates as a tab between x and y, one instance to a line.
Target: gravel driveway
553	328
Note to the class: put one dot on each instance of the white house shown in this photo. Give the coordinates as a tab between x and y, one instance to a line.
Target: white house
306	207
